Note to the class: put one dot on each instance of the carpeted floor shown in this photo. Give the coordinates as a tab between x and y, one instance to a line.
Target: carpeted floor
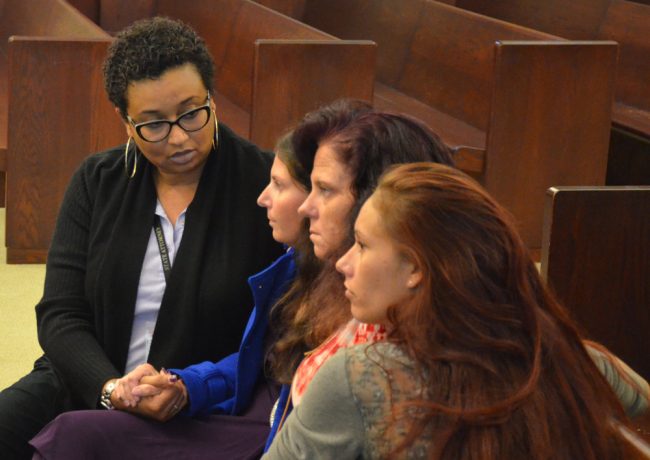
21	287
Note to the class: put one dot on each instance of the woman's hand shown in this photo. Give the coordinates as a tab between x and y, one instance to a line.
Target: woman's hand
149	393
162	396
123	397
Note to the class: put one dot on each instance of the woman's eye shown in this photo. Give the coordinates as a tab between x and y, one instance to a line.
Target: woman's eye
190	115
154	125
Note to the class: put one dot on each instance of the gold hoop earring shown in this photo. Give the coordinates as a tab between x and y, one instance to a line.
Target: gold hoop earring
126	159
215	139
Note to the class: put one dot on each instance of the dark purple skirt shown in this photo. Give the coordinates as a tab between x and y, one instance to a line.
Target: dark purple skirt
99	434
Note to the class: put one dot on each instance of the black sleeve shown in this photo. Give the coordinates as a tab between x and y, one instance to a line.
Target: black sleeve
64	315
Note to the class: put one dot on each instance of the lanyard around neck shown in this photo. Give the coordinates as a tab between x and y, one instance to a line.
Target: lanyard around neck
162	247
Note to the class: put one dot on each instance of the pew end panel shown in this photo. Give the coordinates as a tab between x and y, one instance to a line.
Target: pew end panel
294	77
34	18
549	123
596	258
59	115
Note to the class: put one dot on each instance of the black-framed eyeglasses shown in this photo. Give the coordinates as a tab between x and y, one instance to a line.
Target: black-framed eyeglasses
158	130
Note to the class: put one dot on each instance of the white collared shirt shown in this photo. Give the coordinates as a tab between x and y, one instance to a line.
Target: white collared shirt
151	288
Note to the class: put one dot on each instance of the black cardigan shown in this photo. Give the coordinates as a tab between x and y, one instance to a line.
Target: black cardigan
93	267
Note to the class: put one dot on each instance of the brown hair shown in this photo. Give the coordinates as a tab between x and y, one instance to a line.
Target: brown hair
368	142
295	326
507	375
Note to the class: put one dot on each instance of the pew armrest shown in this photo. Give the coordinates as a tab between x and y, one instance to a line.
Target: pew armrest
469	159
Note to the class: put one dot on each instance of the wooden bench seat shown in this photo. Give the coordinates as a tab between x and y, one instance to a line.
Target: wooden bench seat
537	106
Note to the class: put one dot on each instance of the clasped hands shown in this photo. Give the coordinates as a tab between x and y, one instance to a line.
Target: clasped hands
158	395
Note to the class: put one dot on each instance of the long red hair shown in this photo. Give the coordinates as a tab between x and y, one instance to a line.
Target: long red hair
506	370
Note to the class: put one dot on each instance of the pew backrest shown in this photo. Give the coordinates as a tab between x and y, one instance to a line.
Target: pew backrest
536	105
293	77
549	123
596	258
436	53
625	22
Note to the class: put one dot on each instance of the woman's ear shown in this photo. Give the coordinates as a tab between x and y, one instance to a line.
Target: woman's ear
415	278
414	273
127	125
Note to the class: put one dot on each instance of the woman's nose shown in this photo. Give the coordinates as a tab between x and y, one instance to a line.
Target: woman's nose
263	200
306	209
177	135
343	264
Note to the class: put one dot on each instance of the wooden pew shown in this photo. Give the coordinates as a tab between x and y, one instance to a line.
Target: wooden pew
39	140
35	18
528	115
625	22
596	257
59	114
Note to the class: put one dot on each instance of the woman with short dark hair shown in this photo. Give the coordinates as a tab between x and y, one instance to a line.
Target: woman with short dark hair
153	244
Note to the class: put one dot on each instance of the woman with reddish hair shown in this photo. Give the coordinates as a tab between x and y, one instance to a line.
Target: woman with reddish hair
480	360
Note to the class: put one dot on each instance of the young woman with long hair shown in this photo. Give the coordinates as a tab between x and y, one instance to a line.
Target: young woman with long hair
480	360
